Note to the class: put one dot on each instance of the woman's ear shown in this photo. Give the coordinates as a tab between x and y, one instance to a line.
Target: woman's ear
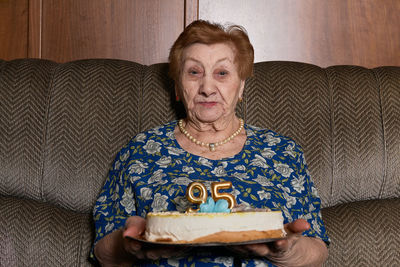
241	89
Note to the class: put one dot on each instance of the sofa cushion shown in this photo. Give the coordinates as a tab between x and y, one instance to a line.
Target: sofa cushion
159	105
293	99
389	85
93	112
346	118
24	90
364	233
34	233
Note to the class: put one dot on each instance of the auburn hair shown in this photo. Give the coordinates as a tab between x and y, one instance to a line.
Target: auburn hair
205	32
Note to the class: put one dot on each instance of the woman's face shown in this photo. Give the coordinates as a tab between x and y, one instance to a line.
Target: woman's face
209	82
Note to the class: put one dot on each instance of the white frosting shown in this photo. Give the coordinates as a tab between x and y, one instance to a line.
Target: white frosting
189	226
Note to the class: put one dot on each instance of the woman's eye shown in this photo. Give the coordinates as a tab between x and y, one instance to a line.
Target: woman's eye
222	73
194	72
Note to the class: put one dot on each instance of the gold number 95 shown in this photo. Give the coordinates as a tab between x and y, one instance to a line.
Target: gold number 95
216	195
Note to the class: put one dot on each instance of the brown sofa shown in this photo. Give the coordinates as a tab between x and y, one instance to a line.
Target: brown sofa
62	124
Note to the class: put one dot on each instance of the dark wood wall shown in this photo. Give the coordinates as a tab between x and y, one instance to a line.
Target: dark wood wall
13	29
324	33
321	32
64	30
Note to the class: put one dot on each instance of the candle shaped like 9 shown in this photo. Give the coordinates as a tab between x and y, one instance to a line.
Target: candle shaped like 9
202	196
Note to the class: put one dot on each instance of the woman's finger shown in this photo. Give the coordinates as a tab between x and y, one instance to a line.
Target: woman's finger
134	227
297	226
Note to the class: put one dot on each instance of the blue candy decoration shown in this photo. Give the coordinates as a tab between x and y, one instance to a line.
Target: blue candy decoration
210	206
222	206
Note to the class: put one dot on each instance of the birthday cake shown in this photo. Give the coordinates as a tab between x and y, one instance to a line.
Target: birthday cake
213	227
214	222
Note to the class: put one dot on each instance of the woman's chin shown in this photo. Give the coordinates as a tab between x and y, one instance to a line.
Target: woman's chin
208	116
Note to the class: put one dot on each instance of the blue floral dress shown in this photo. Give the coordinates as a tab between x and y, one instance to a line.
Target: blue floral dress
152	172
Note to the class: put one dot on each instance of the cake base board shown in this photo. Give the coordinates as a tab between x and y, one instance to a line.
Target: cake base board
224	238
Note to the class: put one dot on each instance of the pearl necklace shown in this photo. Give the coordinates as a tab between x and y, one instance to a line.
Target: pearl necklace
211	146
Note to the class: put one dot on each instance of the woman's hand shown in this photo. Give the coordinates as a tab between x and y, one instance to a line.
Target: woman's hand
295	250
120	249
135	227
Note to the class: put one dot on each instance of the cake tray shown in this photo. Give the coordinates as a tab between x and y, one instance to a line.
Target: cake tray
206	244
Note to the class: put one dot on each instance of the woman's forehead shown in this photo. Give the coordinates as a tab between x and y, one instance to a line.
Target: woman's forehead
214	53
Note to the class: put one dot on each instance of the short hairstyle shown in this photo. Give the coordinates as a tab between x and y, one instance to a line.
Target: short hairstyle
204	32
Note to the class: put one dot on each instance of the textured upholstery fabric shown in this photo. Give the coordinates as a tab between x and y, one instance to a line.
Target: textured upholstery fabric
294	100
24	90
389	85
93	111
61	126
357	135
364	233
38	234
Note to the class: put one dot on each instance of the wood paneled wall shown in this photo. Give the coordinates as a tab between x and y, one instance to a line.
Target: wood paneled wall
13	29
64	30
324	33
135	30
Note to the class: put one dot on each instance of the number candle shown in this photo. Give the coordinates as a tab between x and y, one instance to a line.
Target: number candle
216	195
201	198
216	186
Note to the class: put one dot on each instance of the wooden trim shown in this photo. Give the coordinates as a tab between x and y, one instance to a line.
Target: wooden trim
35	29
191	11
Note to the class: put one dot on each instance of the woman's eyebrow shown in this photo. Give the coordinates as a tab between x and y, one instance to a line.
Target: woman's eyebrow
223	59
191	59
198	61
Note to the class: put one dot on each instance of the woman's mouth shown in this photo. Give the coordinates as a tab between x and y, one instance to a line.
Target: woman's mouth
208	104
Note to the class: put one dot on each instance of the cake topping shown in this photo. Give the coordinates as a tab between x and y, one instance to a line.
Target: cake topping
210	206
202	196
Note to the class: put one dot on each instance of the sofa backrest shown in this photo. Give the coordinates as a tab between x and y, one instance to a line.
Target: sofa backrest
347	119
61	125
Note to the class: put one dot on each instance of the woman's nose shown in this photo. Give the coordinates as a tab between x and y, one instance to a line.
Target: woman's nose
207	86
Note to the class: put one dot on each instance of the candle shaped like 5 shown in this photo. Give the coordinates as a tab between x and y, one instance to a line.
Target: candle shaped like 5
201	198
216	186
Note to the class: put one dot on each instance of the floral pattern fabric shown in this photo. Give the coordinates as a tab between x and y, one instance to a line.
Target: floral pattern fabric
152	172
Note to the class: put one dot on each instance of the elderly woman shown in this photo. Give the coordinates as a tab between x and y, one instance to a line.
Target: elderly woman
209	65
